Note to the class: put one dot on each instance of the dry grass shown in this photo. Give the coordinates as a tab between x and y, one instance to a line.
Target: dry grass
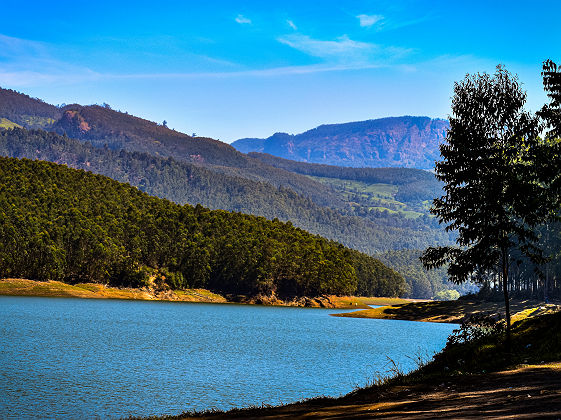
347	302
384	301
24	287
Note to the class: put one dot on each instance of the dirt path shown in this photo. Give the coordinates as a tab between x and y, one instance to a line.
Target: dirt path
526	393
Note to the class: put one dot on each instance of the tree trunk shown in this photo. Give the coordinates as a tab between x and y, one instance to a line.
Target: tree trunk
546	280
546	284
507	300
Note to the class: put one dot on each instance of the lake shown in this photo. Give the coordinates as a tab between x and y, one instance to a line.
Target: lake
78	358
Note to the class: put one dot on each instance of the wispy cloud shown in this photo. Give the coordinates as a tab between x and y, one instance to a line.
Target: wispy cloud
387	23
11	47
41	78
26	63
267	72
341	47
292	24
345	50
369	20
66	75
242	20
35	78
29	63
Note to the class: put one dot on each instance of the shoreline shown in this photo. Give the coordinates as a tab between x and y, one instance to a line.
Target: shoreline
529	391
26	287
419	310
452	312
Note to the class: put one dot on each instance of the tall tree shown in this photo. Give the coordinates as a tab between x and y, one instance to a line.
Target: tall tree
491	197
549	155
551	113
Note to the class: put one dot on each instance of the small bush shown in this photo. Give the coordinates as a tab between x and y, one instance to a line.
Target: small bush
476	327
447	295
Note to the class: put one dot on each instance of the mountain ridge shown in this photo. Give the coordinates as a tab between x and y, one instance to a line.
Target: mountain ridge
406	141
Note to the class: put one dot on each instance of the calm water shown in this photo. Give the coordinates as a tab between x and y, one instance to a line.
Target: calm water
70	358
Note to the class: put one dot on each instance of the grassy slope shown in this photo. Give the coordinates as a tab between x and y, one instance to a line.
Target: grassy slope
7	124
382	301
377	196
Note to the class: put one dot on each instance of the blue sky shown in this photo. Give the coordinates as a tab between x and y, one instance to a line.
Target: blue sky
232	69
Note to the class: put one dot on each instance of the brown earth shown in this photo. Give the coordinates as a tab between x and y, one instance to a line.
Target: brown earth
528	392
25	287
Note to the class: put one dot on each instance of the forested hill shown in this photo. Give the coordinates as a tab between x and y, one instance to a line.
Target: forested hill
410	142
184	183
70	225
104	127
119	130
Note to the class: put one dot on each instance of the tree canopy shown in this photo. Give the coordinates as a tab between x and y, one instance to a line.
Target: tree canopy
495	194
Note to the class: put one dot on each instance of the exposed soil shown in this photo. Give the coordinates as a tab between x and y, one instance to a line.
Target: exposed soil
526	393
25	287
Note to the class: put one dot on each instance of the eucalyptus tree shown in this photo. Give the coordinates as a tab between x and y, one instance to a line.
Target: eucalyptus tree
549	154
551	113
491	196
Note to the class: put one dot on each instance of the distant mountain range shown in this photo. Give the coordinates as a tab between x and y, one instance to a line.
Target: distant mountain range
407	142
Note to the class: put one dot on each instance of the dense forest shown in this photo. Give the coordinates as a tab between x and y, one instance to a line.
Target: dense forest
74	226
500	165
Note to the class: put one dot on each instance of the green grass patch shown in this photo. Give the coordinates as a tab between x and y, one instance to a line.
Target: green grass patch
37	122
7	124
381	190
380	197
